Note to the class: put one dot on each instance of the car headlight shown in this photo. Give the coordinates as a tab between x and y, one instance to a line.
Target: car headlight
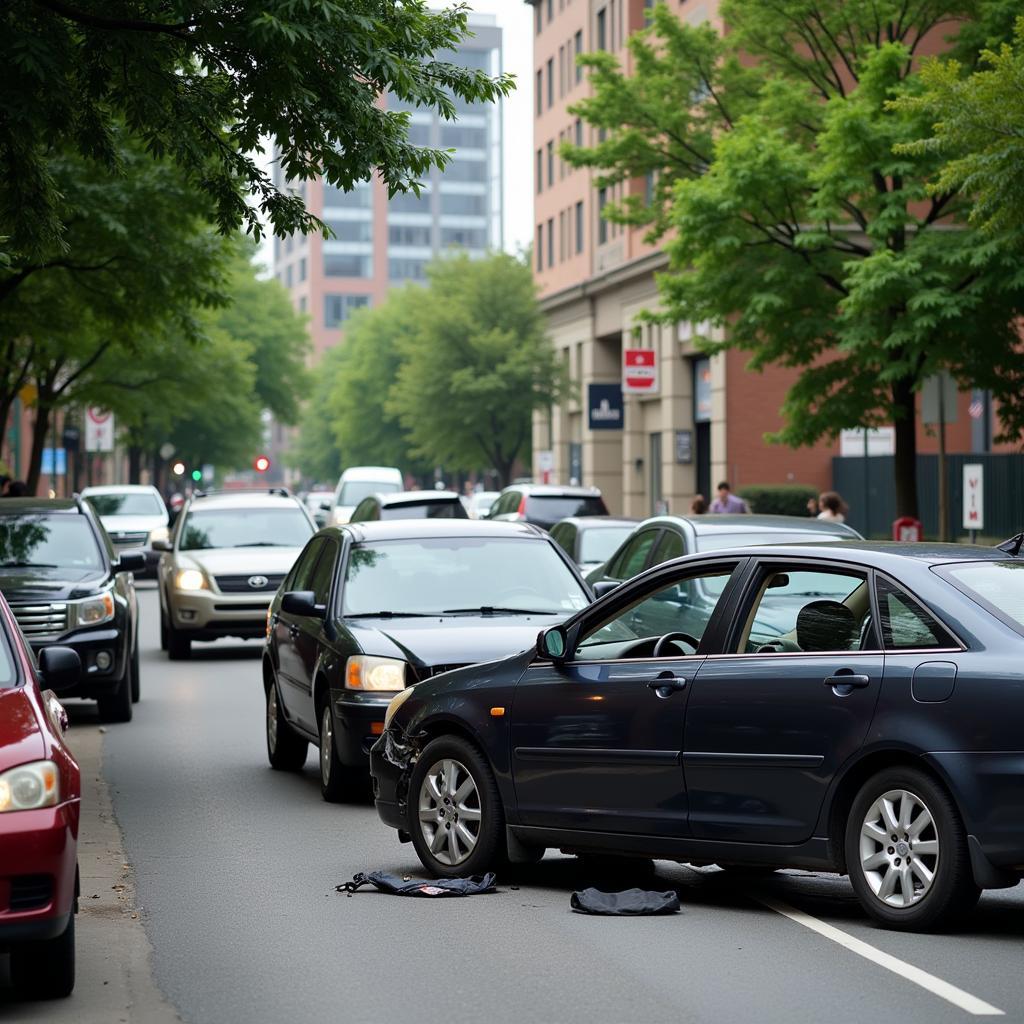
94	610
396	702
190	579
30	786
364	672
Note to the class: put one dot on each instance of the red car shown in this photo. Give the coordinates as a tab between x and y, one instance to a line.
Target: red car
39	807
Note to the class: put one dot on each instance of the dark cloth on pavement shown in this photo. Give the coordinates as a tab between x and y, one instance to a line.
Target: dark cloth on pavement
397	886
631	903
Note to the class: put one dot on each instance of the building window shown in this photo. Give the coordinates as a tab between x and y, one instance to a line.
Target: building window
350	230
468	238
561	72
578	128
409	234
538	19
577	50
288	276
347	264
551	10
602	224
360	198
540	171
551	164
419	134
458	136
302	269
302	303
465	170
540	91
579	227
409	202
540	246
402	269
551	82
602	29
551	241
648	11
561	237
338	308
463	205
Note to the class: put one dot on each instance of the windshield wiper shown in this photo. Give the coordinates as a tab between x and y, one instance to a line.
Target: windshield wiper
261	544
495	610
390	615
27	565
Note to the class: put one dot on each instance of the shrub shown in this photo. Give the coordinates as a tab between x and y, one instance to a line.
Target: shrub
778	499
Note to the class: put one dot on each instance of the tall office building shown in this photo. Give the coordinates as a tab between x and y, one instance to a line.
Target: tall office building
378	243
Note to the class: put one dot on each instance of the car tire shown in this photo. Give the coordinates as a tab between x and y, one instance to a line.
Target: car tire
452	785
117	705
286	751
337	781
163	631
179	646
135	675
922	879
46	970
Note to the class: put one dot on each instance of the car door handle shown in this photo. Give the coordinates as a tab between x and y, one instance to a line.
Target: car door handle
666	685
850	680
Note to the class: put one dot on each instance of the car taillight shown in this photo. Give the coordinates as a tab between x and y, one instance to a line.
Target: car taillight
521	511
268	622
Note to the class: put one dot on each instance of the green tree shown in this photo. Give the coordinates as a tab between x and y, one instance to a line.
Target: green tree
794	223
979	131
474	365
203	84
315	452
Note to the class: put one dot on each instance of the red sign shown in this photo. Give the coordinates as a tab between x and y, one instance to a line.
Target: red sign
640	371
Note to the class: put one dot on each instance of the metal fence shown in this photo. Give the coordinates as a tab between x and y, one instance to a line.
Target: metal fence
867	487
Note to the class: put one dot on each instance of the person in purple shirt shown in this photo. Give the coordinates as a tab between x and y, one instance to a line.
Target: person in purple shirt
727	501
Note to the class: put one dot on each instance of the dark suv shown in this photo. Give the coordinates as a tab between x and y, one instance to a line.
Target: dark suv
546	504
66	586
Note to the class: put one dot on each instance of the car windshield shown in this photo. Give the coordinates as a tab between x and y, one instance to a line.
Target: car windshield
131	504
245	528
53	542
550	508
353	491
426	510
433	575
996	586
7	673
599	543
717	541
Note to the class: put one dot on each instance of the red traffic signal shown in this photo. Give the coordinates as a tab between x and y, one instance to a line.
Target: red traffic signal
261	464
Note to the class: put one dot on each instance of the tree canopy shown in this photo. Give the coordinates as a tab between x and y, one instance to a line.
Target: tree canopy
201	85
792	217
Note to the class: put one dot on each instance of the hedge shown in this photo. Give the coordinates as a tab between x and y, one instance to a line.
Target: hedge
778	499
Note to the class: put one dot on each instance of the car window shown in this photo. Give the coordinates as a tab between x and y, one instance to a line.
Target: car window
507	503
244	528
715	541
905	624
425	510
998	587
684	606
136	503
302	571
323	575
353	491
62	541
633	557
366	511
563	534
599	543
670	546
550	508
8	675
801	610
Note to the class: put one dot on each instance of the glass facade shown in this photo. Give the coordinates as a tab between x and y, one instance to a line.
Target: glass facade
338	308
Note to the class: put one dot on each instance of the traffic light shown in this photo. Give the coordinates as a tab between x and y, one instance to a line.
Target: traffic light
261	464
197	475
178	468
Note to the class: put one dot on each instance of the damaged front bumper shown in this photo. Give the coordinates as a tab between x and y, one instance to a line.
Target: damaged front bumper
391	761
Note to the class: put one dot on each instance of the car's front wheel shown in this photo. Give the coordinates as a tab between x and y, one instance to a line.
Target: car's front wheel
46	970
906	852
117	705
456	818
135	676
286	751
337	780
179	646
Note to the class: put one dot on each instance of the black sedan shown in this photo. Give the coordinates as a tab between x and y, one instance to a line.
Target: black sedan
845	707
371	608
66	585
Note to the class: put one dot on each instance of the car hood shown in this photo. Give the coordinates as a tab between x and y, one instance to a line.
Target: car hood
38	584
219	561
132	524
20	737
450	640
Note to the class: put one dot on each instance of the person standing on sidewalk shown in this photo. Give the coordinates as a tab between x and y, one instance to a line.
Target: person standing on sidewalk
727	501
833	508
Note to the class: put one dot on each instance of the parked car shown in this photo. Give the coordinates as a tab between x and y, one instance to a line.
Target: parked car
318	505
546	504
409	505
479	503
66	585
847	707
132	515
229	552
358	482
663	538
591	540
39	811
375	607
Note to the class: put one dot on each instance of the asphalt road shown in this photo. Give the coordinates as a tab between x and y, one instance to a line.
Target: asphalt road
235	868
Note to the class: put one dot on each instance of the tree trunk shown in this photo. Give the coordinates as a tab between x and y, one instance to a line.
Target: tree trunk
134	463
905	453
35	459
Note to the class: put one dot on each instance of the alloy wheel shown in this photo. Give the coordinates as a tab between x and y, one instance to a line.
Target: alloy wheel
272	719
899	848
449	811
326	745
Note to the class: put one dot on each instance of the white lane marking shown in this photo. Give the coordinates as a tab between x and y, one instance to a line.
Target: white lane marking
908	972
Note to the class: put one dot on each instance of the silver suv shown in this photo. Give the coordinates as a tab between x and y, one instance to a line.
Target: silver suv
228	554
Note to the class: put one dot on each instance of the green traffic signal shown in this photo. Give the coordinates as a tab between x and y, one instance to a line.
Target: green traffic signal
197	475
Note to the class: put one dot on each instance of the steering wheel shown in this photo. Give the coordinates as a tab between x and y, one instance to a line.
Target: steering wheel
669	637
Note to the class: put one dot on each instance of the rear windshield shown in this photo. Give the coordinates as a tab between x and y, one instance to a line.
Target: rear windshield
718	541
600	543
997	586
543	508
353	491
245	528
138	504
427	510
48	542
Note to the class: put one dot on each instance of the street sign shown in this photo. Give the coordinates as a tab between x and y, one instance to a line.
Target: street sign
545	466
974	497
604	406
99	430
640	371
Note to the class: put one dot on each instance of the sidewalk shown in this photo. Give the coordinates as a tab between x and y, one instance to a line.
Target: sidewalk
114	976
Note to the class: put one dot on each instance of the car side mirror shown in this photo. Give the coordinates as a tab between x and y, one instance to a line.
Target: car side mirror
163	544
325	506
60	668
130	561
603	587
553	643
303	603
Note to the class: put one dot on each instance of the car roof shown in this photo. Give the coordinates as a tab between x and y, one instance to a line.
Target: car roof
118	489
554	490
590	522
416	497
883	554
370	473
16	506
242	499
412	529
740	523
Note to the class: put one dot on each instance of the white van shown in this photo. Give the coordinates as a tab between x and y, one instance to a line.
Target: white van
360	482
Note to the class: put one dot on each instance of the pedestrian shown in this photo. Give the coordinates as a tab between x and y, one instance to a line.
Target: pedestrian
727	501
699	505
833	508
16	489
812	507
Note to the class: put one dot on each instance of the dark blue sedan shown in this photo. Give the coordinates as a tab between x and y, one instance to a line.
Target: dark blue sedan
847	707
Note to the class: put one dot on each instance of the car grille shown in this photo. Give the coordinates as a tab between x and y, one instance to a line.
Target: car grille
30	891
40	621
240	584
129	539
